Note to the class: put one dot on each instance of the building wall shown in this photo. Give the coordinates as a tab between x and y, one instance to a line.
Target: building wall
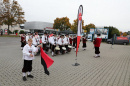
11	28
37	25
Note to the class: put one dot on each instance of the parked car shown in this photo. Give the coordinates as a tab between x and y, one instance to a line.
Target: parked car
119	40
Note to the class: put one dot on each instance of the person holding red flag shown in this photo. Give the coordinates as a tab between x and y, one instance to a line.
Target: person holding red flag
97	43
28	56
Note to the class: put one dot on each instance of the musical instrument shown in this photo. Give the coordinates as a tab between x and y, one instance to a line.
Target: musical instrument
57	50
63	48
69	48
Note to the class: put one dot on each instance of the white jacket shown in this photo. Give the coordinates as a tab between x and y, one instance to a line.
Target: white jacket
27	50
61	41
35	41
44	39
37	37
50	39
27	37
53	40
66	40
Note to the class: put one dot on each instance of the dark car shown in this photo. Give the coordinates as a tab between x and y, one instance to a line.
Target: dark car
119	40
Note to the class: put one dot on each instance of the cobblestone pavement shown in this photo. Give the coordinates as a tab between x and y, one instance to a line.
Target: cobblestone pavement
111	69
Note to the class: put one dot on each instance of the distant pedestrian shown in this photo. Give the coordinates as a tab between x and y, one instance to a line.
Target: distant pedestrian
97	43
84	42
1	32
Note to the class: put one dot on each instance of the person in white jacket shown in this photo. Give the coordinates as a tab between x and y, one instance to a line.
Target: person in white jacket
49	39
61	43
44	41
28	56
66	42
54	43
28	36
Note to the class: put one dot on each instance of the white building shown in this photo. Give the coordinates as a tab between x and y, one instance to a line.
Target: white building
11	28
39	26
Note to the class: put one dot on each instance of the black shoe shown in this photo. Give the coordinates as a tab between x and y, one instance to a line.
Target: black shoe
47	72
24	78
30	76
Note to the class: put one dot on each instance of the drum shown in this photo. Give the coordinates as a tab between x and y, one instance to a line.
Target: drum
57	50
63	48
69	48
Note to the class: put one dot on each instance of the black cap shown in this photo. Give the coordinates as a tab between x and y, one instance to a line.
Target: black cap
67	34
98	34
45	33
61	35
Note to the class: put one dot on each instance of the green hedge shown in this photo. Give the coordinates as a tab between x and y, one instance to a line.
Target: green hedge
15	31
21	32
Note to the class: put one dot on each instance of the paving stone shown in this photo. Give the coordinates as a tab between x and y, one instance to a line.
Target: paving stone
111	69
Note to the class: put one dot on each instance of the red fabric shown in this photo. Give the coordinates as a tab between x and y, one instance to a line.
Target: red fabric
46	58
70	39
50	35
74	40
97	42
22	38
122	38
78	41
40	41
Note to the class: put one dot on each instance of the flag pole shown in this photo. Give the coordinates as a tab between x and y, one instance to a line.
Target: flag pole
79	30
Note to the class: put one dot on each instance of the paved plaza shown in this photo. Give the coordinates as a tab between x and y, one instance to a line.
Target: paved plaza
111	69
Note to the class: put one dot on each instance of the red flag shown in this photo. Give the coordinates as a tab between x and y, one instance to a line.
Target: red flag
40	41
50	35
46	58
79	30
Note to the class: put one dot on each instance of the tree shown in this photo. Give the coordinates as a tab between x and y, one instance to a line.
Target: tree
120	33
87	27
112	31
12	13
124	34
75	25
62	23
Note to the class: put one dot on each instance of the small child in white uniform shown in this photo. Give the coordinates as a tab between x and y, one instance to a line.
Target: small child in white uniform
28	56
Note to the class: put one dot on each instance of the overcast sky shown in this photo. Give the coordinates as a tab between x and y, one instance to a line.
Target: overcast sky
102	13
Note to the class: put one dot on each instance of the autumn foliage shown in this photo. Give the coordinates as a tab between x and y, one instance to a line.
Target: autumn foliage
11	13
75	25
62	23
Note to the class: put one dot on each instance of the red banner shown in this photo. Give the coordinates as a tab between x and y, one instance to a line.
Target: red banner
122	38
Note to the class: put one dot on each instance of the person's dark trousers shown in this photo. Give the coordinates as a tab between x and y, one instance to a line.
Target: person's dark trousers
27	67
53	47
44	47
73	44
66	46
60	46
97	50
50	45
